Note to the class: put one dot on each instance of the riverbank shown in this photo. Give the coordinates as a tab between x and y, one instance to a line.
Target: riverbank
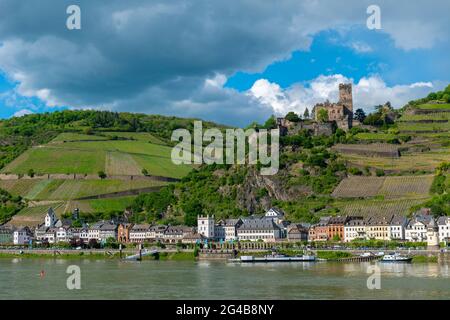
184	255
189	255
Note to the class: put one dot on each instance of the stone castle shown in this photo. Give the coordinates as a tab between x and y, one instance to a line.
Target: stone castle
340	112
340	115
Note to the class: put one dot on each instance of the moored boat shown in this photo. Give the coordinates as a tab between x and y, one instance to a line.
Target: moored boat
275	258
395	257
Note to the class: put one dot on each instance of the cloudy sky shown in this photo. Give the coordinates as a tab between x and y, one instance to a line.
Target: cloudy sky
233	62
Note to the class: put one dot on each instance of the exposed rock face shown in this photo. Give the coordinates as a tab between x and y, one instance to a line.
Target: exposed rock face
248	198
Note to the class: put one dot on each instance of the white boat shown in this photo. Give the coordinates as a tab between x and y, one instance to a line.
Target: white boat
395	257
275	258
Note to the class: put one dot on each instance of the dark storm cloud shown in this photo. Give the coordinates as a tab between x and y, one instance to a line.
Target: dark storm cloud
155	56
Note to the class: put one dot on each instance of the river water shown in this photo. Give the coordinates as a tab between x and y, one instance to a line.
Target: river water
114	279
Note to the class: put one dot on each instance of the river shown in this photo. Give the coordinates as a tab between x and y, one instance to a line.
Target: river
115	279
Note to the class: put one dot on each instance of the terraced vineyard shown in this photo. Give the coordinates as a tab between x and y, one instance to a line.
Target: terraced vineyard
370	136
356	187
367	208
371	149
423	127
426	161
119	163
116	157
425	117
388	187
434	106
406	186
17	187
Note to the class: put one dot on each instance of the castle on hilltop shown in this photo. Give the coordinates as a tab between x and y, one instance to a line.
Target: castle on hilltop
340	112
339	115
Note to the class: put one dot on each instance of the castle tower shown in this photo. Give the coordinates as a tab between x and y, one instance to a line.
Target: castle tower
205	226
432	235
345	95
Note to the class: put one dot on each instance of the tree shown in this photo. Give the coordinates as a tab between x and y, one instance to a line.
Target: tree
336	237
192	209
101	175
271	123
360	115
322	115
306	114
144	172
31	173
292	116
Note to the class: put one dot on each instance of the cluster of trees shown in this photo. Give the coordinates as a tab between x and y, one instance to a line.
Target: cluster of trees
197	193
294	117
306	139
383	115
443	96
9	205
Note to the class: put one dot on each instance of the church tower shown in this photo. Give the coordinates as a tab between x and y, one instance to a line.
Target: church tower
50	218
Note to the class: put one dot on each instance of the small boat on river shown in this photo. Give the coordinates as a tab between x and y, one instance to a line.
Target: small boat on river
275	258
395	257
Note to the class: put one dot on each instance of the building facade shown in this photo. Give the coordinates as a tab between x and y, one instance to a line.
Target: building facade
355	229
256	229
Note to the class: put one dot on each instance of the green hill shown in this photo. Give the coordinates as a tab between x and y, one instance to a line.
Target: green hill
65	151
55	159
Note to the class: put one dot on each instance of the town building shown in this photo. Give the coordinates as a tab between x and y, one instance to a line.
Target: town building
156	232
193	238
319	231
444	229
230	227
94	231
335	227
275	214
397	227
175	234
108	230
416	229
255	229
22	235
63	234
138	233
354	229
377	228
297	232
123	232
6	234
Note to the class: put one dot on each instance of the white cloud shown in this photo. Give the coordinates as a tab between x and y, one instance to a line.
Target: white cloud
367	93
